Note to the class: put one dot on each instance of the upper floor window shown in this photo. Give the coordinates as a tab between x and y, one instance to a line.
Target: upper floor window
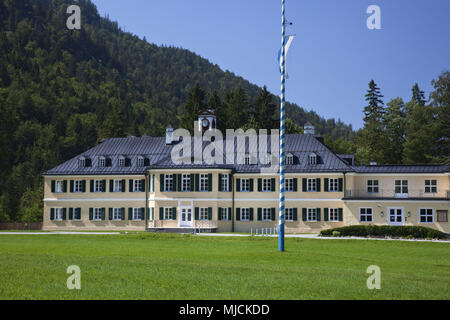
118	186
121	161
102	162
333	185
290	159
430	186
312	185
138	185
140	161
98	186
266	185
168	182
59	186
225	180
312	159
372	186
185	182
204	182
78	186
401	186
245	185
289	184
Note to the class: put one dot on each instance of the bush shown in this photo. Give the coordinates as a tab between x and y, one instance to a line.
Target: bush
409	232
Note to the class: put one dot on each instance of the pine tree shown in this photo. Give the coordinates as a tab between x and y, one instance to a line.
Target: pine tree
395	128
236	108
114	125
194	103
441	102
265	110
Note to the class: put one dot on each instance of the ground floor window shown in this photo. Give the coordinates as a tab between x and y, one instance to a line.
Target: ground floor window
266	214
442	215
365	215
138	213
289	214
97	214
167	214
225	213
311	214
245	214
333	214
426	215
117	214
59	214
203	214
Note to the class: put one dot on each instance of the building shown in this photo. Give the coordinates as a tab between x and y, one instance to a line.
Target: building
132	184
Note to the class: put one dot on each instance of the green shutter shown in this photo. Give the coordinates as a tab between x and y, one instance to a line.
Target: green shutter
142	213
295	218
161	182
110	214
70	213
304	185
209	213
91	186
341	184
197	182
78	213
83	185
123	185
272	213
318	184
53	186
295	185
196	213
210	182
304	215
325	214
65	186
103	185
259	184
122	213
147	213
192	182
64	213
91	213
238	185
111	185
71	185
103	213
259	214
219	214
180	182
251	185
130	213
161	213
142	185
318	214
251	214
130	185
230	182
230	214
220	182
272	184
174	213
340	213
52	213
238	214
326	184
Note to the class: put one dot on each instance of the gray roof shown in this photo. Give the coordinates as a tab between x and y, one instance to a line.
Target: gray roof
402	169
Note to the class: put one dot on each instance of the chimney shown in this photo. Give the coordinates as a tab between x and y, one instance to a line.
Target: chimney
169	134
308	128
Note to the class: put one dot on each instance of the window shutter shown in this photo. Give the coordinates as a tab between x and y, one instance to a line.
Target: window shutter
220	183
65	186
180	182
122	213
142	210
71	185
209	213
91	213
259	184
78	213
230	182
91	185
70	213
340	213
325	214
110	213
238	185
83	185
230	214
153	183
161	182
142	185
192	182
295	218
326	184
130	185
219	215
64	213
304	215
210	182
123	185
147	213
130	214
103	185
103	213
251	185
341	184
52	214
197	183
295	185
174	183
251	214
53	186
111	185
174	213
304	185
318	184
272	183
196	213
318	214
238	214
259	214
161	213
272	212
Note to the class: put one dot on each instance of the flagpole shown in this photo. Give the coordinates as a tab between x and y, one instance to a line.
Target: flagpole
282	128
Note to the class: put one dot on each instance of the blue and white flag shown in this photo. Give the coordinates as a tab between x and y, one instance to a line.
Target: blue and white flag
287	43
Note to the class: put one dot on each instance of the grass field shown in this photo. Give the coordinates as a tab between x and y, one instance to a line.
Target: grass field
153	266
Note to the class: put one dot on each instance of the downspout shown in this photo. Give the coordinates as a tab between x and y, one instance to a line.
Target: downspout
232	203
147	209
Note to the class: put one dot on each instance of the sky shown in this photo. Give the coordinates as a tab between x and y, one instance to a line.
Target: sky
332	58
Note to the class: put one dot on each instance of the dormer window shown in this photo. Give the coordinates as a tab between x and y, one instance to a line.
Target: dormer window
102	162
140	161
121	162
268	159
312	159
290	159
247	159
82	162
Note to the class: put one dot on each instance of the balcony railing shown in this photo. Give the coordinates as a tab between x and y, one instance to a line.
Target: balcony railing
392	193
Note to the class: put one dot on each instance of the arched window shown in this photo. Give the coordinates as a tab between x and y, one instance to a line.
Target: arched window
312	159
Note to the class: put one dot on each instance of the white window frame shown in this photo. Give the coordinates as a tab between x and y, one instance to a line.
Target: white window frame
59	186
59	214
268	159
432	188
289	185
365	214
247	159
225	182
117	185
78	186
137	184
116	214
167	213
203	182
311	185
82	162
333	185
245	212
266	214
203	214
311	214
333	214
97	214
121	162
225	214
312	159
401	185
98	186
140	161
289	214
245	185
266	185
168	182
426	215
373	186
290	159
137	214
102	162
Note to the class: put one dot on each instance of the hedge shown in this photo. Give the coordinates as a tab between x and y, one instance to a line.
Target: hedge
385	231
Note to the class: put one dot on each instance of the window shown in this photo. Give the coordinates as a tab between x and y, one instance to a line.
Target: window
289	214
333	214
268	159
312	185
401	186
442	215
118	187
98	186
138	214
203	182
138	185
430	186
245	214
97	214
117	214
59	186
224	213
102	162
59	214
266	185
312	159
203	214
185	182
245	185
140	161
78	186
225	182
311	214
247	159
426	215
82	162
121	162
333	185
372	186
168	214
289	185
168	183
365	215
290	159
266	214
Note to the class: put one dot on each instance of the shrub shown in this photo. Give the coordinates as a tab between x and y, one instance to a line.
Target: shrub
417	232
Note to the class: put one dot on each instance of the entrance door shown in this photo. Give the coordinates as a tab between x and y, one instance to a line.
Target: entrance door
395	216
186	217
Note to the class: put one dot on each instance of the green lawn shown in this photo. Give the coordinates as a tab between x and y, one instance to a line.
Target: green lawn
153	266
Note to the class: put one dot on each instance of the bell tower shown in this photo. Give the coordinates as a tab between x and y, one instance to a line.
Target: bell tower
207	120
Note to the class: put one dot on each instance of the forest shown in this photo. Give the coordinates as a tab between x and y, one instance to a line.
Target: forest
61	91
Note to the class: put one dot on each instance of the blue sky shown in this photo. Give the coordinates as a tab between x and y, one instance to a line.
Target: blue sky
332	58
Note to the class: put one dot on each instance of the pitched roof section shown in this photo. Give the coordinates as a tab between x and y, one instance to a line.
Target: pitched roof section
402	169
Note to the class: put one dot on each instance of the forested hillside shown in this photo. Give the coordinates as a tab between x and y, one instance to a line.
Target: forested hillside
62	90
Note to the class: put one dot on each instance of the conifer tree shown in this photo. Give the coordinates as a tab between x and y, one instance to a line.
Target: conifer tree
194	103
